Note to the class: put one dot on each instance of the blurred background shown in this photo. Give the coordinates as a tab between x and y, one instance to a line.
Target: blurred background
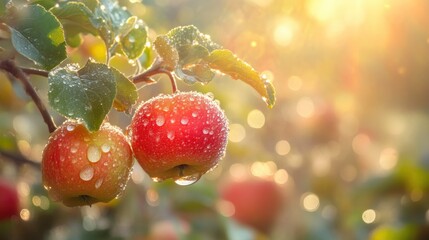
346	145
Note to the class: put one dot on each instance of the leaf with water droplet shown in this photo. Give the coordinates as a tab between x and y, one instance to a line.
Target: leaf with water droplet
126	92
93	85
76	18
195	73
167	52
133	42
226	62
37	35
190	35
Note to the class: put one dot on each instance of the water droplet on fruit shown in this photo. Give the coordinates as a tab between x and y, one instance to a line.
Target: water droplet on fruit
172	120
70	127
211	132
99	182
145	122
73	149
194	114
210	95
184	121
157	179
205	131
170	135
62	158
160	120
105	148
87	173
188	180
165	109
93	154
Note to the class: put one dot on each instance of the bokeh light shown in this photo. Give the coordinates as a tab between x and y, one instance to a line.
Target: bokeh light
310	202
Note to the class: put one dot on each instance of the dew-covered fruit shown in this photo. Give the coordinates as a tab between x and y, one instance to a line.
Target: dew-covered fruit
255	202
81	167
179	136
9	202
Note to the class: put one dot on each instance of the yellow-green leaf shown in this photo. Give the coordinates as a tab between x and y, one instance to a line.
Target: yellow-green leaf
226	62
168	53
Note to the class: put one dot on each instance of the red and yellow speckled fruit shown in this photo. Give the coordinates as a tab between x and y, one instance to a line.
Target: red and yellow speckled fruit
81	167
179	136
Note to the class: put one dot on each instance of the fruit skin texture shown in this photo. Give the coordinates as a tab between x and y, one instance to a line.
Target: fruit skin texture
9	202
81	167
257	202
179	135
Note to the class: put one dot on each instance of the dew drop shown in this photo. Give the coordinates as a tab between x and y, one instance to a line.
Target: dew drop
145	122
70	127
211	132
160	120
62	158
184	121
205	131
87	173
165	109
170	135
194	114
172	120
73	149
210	95
99	182
157	179
93	154
105	148
188	180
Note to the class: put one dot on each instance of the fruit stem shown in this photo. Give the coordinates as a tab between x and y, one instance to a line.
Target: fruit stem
156	68
17	72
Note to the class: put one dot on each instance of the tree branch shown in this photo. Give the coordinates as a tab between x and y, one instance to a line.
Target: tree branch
19	159
17	72
35	71
156	68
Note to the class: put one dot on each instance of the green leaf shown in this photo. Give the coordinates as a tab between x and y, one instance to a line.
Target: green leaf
133	41
126	92
226	62
85	93
189	54
37	35
76	18
113	17
190	35
3	4
167	52
196	73
47	4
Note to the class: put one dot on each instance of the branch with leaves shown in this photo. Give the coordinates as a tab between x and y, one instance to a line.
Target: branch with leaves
43	30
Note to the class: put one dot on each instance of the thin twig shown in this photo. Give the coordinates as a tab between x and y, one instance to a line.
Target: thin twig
18	158
17	72
156	68
35	71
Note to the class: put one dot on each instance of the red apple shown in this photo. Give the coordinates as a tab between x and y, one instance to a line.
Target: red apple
256	202
179	136
9	202
81	167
